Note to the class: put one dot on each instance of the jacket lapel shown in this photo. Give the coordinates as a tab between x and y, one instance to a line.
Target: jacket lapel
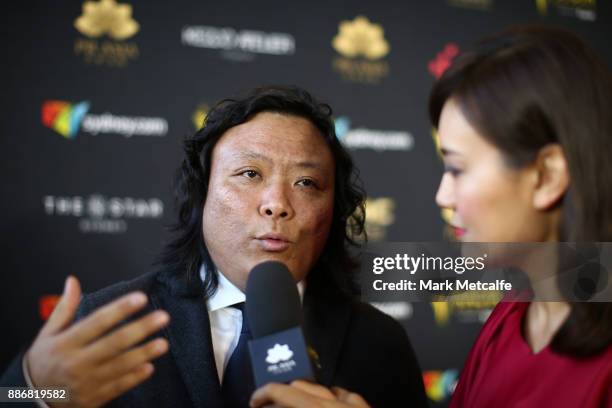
190	338
326	320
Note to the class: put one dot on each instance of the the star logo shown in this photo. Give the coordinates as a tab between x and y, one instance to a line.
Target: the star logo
360	37
106	17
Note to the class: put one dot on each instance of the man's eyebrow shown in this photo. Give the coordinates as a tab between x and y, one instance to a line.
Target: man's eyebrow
258	156
253	156
310	165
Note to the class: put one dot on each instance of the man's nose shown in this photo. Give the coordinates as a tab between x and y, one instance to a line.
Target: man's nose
276	203
445	194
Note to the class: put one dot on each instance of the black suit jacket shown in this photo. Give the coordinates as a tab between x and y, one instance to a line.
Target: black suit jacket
359	348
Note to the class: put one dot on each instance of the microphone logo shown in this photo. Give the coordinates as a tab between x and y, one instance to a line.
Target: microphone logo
280	359
279	353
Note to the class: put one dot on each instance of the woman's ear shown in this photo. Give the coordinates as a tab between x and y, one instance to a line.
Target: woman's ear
552	177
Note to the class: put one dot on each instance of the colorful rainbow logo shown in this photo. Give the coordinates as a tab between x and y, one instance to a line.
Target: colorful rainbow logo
64	117
440	385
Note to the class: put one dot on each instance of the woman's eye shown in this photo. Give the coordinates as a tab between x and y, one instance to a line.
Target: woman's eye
452	170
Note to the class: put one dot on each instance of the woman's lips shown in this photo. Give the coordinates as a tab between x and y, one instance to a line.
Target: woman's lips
457	231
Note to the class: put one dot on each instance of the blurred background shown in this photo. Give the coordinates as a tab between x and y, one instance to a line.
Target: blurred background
97	96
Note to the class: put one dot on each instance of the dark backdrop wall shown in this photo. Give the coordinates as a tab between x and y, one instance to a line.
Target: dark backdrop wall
97	95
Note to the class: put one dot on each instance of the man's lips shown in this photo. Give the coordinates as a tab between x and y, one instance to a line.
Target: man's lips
273	242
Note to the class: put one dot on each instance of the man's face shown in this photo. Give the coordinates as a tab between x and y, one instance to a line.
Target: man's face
270	196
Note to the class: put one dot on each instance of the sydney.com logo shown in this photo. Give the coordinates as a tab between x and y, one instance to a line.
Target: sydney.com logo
68	118
440	385
378	140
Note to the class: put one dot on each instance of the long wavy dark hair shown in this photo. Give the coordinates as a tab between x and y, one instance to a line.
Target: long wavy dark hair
186	252
531	86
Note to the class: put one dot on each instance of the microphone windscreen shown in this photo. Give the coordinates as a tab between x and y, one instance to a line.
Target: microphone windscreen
272	299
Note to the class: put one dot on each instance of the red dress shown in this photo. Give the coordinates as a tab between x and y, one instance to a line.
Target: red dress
502	371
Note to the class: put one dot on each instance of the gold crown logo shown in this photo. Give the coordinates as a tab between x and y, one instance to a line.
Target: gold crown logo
441	312
199	116
380	211
360	37
542	6
436	139
107	17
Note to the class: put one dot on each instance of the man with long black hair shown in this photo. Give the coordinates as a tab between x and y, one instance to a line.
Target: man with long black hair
264	179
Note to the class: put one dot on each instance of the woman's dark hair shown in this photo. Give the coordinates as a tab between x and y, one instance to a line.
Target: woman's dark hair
531	86
187	251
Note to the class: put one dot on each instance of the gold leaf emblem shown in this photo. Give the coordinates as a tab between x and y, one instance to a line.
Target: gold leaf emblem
360	37
542	6
107	17
380	211
199	116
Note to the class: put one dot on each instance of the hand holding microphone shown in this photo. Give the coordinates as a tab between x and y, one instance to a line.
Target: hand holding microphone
304	394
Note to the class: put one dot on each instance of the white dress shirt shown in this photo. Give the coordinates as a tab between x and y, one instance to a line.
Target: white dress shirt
225	321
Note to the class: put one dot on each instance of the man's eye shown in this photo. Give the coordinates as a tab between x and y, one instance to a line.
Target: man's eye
250	174
306	183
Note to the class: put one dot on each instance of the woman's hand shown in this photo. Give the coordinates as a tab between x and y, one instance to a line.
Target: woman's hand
304	394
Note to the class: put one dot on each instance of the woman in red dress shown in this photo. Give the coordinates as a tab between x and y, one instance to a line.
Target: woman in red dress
525	129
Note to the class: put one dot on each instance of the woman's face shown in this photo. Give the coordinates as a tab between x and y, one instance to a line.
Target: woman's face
490	201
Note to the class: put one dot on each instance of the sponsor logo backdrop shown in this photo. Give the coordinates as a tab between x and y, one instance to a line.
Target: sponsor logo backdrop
98	95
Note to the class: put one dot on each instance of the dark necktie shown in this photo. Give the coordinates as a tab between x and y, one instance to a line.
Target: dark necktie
238	384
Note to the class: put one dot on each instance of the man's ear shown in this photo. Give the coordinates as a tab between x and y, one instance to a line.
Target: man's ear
552	177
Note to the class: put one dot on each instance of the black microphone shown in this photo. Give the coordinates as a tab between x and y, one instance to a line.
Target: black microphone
278	350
